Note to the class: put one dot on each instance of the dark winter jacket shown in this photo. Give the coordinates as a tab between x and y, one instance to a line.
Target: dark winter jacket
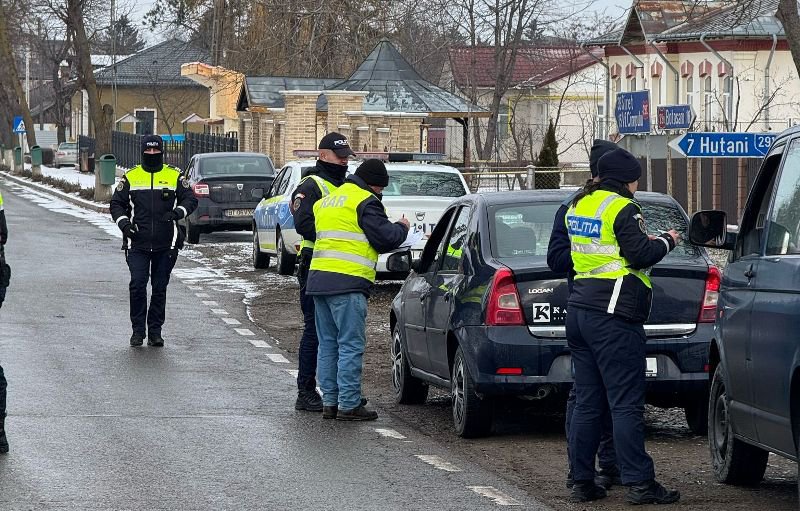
307	193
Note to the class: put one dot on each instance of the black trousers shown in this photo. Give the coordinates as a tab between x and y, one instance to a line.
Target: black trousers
3	385
154	267
309	344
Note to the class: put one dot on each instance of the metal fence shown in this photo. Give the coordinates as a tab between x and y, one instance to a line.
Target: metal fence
498	178
127	147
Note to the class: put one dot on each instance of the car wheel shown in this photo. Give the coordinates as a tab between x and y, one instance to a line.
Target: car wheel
192	233
732	461
472	416
283	259
697	415
407	389
260	259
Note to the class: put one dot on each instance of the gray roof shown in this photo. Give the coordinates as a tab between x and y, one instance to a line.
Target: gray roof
158	65
742	19
609	38
264	91
394	86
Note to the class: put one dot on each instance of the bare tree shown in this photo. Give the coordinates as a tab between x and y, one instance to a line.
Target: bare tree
9	62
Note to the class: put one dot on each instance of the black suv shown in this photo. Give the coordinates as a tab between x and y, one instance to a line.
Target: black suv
754	403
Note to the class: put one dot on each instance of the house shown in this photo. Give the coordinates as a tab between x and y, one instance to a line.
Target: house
730	61
559	82
148	93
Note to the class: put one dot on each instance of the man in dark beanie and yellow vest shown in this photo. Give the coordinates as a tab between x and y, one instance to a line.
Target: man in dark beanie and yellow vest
147	204
352	228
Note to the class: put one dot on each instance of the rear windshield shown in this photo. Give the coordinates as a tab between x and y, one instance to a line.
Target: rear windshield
431	184
237	165
66	145
523	230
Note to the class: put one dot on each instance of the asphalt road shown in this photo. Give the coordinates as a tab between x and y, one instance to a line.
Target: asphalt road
199	424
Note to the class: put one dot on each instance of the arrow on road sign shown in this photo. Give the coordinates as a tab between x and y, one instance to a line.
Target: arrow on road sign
723	145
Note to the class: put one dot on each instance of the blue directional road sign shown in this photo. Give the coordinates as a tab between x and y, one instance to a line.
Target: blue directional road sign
19	124
674	117
633	112
723	145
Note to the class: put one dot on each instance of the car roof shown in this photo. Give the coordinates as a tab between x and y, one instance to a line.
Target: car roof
204	156
517	196
787	133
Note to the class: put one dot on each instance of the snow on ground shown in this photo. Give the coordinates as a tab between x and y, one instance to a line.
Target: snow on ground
69	174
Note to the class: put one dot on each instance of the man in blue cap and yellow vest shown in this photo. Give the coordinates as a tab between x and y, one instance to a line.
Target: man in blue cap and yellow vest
147	204
324	178
352	229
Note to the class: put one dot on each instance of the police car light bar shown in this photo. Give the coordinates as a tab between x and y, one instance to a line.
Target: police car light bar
392	157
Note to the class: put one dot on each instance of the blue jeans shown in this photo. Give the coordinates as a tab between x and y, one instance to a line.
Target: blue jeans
341	328
609	358
154	267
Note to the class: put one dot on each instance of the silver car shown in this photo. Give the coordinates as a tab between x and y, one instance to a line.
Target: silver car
66	154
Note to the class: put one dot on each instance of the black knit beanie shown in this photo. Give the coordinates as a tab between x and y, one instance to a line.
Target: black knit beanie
619	165
599	148
373	172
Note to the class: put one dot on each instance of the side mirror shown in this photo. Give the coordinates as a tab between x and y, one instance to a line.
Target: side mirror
709	229
257	193
399	262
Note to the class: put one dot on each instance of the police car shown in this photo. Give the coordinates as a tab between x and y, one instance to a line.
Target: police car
418	191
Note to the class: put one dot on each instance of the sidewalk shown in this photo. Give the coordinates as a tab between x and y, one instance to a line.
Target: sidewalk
69	174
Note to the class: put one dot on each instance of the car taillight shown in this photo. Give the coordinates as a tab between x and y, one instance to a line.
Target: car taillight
709	309
61	153
504	304
200	190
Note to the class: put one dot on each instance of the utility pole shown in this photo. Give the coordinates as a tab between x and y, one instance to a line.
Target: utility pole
218	25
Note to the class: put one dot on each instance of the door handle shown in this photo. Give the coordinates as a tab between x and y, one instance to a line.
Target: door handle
749	273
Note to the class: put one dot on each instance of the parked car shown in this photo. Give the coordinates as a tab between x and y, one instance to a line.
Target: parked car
481	314
754	404
66	154
223	184
418	191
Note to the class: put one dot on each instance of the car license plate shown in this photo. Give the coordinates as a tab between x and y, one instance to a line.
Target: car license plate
238	212
651	369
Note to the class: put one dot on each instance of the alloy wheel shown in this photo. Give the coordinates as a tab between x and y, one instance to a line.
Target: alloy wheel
397	361
459	405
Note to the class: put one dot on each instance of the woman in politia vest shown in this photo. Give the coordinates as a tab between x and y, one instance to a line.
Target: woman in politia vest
610	301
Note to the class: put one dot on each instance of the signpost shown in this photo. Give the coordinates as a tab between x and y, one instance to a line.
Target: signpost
633	112
674	117
19	124
723	145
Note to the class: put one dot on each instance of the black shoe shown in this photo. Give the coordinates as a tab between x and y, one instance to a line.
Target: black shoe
570	480
308	400
586	491
137	339
362	413
155	340
651	492
608	478
3	439
330	412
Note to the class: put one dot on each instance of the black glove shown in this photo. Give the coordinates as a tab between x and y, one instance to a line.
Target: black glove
170	216
130	231
3	239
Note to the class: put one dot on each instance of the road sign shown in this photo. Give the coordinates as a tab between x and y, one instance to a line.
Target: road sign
19	124
674	117
633	112
723	145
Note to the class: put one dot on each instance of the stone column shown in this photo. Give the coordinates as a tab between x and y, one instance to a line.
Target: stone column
383	139
301	128
340	102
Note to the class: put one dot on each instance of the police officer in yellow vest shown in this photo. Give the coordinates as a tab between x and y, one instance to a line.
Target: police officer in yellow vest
609	303
352	229
146	205
323	179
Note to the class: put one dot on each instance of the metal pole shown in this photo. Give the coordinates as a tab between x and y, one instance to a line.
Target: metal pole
649	166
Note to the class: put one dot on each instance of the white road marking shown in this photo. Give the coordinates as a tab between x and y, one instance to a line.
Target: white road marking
202	295
259	343
498	497
243	331
232	321
210	303
195	288
277	358
389	433
293	372
221	312
438	462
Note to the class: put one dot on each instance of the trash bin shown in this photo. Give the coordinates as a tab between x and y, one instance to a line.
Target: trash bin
108	169
36	155
90	164
18	156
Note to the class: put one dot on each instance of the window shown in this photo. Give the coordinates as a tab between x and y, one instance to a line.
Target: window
503	120
660	217
276	184
145	121
617	84
424	183
727	100
783	230
632	84
708	102
521	230
655	93
690	91
601	121
755	213
457	241
429	258
236	165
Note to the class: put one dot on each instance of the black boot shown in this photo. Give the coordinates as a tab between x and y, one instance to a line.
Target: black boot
362	413
137	339
651	492
608	478
330	412
308	400
585	491
155	340
3	439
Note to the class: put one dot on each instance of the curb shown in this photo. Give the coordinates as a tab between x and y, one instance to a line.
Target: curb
94	206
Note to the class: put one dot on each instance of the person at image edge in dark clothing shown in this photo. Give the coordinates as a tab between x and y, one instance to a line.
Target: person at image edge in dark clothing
3	384
559	259
322	180
146	205
608	306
